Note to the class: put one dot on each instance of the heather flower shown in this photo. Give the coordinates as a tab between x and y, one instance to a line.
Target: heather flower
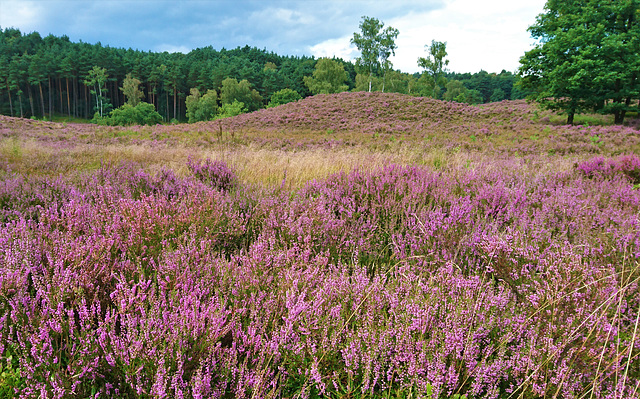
215	173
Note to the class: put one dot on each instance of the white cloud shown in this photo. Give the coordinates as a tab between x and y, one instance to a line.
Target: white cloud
24	15
490	35
290	16
170	48
341	48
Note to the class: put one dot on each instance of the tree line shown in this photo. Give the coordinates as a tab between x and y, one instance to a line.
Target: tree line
42	77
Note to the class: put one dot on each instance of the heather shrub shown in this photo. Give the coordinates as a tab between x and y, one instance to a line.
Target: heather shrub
22	197
463	273
481	282
625	165
214	173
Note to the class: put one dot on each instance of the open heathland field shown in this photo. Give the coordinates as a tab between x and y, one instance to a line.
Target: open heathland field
347	246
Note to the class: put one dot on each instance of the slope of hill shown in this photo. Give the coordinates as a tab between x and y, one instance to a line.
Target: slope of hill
380	120
379	113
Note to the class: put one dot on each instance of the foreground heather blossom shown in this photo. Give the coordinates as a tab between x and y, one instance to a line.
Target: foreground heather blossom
495	281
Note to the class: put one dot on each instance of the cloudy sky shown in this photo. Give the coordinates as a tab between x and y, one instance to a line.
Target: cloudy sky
489	34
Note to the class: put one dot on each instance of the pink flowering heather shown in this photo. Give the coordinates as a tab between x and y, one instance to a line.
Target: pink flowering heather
508	277
215	173
487	284
628	166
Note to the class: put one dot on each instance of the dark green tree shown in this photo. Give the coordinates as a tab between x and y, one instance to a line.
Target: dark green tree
16	76
497	95
4	80
38	75
587	58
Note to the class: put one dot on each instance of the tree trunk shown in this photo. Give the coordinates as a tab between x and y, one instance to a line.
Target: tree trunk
20	104
50	98
68	100
570	116
86	102
75	97
10	103
41	98
618	117
99	99
175	95
61	103
33	112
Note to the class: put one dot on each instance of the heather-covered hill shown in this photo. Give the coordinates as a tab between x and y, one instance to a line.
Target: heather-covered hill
373	120
381	113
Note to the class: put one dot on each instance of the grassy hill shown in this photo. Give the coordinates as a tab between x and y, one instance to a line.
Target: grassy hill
379	122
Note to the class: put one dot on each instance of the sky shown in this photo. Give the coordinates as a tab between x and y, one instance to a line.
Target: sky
488	35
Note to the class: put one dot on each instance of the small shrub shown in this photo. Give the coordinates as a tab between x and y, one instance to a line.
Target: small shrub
283	96
231	109
215	173
141	114
627	165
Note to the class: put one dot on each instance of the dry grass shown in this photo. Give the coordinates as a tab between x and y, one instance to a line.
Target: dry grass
253	164
309	140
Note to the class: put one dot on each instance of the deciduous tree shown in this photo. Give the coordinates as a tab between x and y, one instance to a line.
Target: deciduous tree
283	96
435	64
242	92
97	79
131	90
328	77
375	45
587	58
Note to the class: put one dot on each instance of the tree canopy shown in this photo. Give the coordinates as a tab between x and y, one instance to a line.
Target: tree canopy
54	73
51	76
131	90
328	77
435	64
232	90
587	58
283	96
375	46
